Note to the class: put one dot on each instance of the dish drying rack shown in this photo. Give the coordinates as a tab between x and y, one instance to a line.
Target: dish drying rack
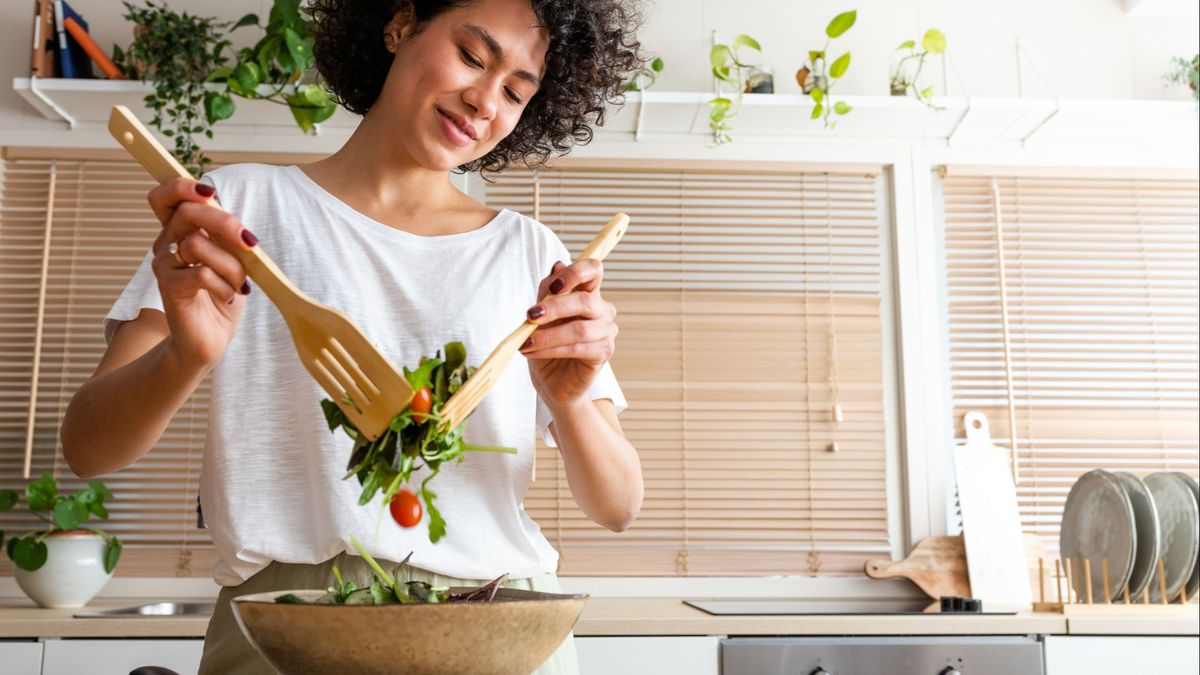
1073	603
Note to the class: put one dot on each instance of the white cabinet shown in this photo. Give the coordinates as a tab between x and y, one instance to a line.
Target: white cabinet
118	657
1112	655
648	655
20	657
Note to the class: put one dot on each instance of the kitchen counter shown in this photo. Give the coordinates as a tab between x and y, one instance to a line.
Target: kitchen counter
20	618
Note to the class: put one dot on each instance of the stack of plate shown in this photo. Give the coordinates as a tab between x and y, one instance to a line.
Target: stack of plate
1133	524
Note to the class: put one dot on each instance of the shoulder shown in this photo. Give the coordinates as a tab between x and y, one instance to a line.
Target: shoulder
251	186
251	172
543	240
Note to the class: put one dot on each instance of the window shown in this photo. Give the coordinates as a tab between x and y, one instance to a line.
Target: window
752	354
1097	279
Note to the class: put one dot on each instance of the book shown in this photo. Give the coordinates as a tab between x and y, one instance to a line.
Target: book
41	64
93	50
72	60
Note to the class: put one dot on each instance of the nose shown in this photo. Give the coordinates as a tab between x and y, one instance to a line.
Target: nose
481	98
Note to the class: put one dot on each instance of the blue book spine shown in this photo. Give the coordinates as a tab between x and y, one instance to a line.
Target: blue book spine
81	62
66	62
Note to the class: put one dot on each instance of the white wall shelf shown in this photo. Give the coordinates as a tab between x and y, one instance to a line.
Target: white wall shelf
682	117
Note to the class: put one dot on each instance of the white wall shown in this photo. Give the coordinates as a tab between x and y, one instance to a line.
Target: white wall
1086	48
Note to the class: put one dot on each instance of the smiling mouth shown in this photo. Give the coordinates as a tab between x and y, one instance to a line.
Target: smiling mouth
464	128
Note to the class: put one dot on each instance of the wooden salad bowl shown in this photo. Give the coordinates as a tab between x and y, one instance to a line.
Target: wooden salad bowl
515	633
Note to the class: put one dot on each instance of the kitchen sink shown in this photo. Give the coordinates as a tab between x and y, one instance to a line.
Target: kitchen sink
152	609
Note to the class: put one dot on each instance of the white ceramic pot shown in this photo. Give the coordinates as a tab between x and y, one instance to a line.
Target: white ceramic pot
73	573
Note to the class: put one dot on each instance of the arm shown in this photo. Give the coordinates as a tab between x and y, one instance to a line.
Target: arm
603	469
122	410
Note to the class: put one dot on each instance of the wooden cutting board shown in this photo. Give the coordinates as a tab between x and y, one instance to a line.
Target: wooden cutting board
938	566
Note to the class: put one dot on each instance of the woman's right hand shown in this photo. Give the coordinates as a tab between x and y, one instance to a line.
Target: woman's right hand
202	300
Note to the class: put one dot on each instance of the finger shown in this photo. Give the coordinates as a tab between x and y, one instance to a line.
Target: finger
200	250
190	281
595	353
576	304
223	228
584	275
165	198
572	332
543	291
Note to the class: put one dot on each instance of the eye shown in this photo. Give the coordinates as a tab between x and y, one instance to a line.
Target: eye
470	58
512	95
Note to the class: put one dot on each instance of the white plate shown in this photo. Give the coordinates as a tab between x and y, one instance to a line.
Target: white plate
1193	584
1145	519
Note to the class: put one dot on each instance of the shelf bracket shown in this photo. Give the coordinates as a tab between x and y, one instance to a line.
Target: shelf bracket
1021	90
637	131
33	88
967	92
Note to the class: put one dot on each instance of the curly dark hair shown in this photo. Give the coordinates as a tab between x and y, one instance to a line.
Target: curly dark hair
593	48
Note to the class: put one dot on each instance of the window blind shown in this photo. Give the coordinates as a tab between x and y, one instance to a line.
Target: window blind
1100	278
751	353
90	221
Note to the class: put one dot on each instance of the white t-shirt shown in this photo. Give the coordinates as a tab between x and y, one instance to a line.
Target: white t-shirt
272	487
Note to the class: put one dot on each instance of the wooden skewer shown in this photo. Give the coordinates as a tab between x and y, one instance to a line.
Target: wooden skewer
1127	593
1104	572
1087	578
1183	598
1041	581
1071	583
1146	594
1162	580
1058	581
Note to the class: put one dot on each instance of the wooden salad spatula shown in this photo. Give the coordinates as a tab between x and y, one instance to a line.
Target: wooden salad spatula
344	362
464	401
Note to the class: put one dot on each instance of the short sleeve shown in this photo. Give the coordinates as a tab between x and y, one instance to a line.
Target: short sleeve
604	386
140	293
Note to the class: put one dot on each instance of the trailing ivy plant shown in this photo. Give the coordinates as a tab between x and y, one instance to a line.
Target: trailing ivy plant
282	59
1187	73
822	78
60	513
175	51
727	65
934	42
643	78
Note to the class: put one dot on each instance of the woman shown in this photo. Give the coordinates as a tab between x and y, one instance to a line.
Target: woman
378	231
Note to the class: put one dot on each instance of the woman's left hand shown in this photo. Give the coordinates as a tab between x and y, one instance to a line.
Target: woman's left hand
576	334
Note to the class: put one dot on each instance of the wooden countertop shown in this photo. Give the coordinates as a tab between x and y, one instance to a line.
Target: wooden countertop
20	618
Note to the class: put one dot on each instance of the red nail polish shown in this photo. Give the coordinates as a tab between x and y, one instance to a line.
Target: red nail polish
249	238
556	285
245	288
205	190
536	311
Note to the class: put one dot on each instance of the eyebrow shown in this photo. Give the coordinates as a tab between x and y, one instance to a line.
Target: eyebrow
498	52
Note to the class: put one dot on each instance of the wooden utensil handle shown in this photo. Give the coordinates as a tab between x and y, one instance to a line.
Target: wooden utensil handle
162	166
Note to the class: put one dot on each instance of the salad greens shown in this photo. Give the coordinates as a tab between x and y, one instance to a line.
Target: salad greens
415	438
387	590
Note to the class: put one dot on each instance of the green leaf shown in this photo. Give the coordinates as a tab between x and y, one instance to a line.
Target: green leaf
841	107
247	75
934	41
28	553
657	64
8	499
719	56
907	44
839	66
927	92
248	20
813	56
818	94
68	513
218	106
841	23
747	41
41	493
817	110
420	377
299	49
221	73
111	555
720	103
722	74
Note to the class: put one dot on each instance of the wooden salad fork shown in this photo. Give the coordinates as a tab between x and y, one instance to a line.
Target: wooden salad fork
344	362
464	401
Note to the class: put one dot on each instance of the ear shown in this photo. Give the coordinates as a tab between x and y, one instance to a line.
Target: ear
399	28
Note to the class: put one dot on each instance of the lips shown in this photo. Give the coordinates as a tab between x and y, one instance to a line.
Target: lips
458	124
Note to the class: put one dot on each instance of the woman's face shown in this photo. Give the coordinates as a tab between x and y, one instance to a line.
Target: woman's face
458	87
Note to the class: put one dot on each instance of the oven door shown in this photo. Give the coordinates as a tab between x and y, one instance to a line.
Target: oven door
1001	655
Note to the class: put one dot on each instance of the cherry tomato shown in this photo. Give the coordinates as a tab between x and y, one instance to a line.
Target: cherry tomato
421	403
405	508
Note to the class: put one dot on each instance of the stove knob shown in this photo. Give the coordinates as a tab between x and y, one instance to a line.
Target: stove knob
819	671
950	670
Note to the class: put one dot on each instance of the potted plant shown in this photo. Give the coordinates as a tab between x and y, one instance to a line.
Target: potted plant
902	83
816	80
730	67
1186	72
63	564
